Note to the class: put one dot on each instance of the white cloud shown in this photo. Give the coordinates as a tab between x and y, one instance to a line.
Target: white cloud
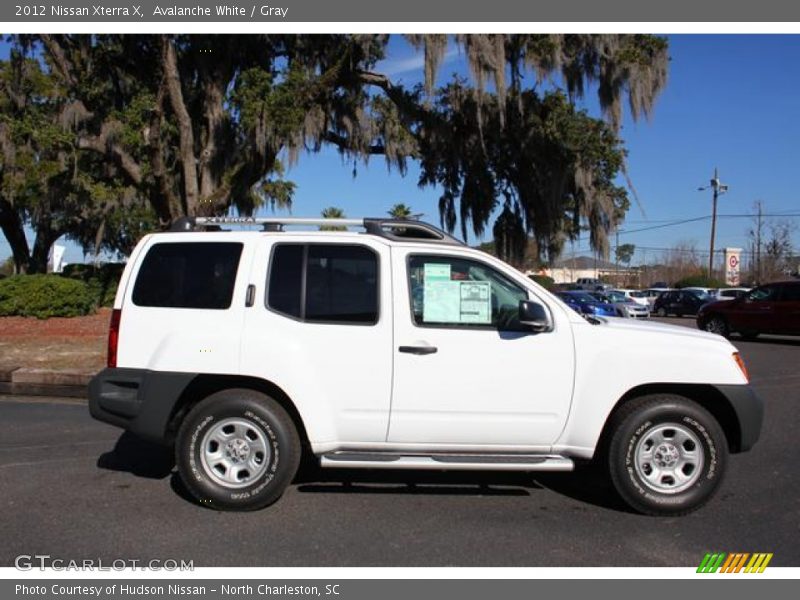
413	63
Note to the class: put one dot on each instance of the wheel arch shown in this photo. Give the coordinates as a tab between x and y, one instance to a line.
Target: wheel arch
703	321
707	396
204	385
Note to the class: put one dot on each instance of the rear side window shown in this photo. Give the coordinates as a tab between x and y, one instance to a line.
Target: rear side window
328	283
791	293
188	275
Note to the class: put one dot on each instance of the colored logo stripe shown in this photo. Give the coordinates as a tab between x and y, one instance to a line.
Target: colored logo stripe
758	563
711	562
734	562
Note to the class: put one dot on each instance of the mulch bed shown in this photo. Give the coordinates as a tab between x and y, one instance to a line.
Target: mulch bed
95	325
76	343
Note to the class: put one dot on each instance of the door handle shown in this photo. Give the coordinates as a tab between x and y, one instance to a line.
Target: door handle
250	299
418	349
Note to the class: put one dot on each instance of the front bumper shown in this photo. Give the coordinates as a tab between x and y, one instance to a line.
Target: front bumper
749	409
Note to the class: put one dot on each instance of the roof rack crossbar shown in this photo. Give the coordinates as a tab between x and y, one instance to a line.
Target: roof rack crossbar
394	229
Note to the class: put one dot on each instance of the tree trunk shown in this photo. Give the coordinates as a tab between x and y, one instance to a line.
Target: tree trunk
214	113
45	238
188	159
11	224
162	196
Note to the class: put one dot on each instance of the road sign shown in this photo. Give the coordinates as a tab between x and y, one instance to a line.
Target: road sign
732	264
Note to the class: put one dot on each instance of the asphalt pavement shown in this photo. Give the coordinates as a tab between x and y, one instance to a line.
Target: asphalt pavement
74	488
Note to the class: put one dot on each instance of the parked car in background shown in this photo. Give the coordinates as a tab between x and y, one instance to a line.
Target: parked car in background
771	308
731	293
591	284
679	303
703	291
637	296
626	307
660	285
654	292
587	305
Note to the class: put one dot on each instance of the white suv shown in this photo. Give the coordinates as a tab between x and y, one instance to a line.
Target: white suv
398	347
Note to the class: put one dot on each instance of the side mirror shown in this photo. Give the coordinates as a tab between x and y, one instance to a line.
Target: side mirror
534	315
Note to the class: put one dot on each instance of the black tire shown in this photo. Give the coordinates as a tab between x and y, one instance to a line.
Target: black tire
644	421
247	416
661	312
717	324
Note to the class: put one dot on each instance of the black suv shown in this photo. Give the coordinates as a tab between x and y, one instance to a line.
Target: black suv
679	303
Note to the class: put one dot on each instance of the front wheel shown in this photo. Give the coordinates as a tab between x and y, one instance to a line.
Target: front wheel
662	312
717	325
237	450
667	455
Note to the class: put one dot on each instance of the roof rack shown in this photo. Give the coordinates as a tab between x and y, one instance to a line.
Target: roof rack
393	229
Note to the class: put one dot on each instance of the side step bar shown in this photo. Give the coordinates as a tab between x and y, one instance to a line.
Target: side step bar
462	462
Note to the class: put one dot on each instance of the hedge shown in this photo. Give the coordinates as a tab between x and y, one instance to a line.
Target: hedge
44	296
545	281
102	280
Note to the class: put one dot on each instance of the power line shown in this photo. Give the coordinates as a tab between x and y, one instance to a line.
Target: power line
706	218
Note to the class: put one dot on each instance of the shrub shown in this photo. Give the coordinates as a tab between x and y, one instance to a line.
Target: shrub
102	280
44	296
7	267
701	280
545	281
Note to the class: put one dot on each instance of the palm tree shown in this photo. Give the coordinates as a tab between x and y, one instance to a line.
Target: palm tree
400	211
332	212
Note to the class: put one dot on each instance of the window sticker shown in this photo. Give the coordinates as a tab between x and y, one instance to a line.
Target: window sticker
467	302
476	302
441	302
437	272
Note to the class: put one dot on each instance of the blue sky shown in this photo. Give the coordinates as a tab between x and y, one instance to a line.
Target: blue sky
730	102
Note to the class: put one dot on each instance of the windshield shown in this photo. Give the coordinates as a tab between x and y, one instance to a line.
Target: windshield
701	295
616	296
582	297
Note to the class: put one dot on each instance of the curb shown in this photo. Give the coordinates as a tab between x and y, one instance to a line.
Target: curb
24	381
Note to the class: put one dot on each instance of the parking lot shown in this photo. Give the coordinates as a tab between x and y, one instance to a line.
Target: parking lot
74	488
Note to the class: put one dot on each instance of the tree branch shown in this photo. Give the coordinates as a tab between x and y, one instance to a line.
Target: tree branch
104	144
343	143
59	57
395	93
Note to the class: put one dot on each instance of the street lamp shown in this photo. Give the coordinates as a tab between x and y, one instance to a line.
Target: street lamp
718	189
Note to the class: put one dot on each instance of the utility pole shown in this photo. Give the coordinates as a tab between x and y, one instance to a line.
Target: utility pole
717	189
758	244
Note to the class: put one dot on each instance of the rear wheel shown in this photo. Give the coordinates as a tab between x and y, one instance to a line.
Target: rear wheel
718	325
667	455
237	450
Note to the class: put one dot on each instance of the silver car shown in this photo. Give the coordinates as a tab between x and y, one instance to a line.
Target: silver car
626	307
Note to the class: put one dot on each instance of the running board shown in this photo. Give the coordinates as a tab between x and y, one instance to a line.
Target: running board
463	462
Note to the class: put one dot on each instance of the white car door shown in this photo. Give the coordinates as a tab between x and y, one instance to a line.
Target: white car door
322	332
465	371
